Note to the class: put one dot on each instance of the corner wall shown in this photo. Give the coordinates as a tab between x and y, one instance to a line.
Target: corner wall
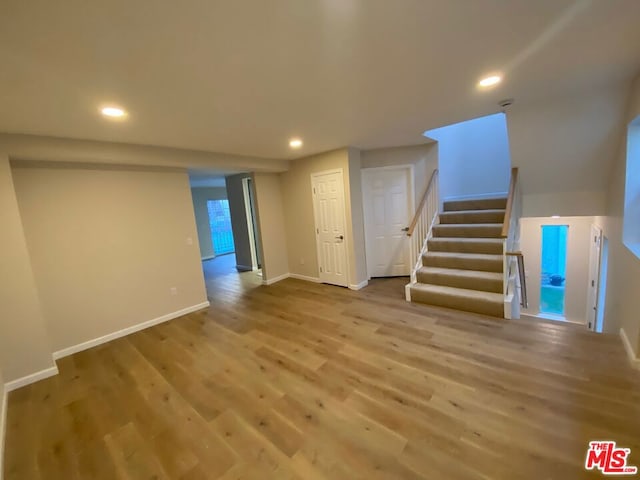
24	344
107	245
200	195
623	282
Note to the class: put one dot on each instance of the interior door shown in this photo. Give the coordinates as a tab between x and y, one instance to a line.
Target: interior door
387	201
594	276
328	201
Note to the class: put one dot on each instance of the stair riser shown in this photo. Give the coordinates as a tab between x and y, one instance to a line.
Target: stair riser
463	263
467	231
436	245
481	306
484	204
450	218
483	285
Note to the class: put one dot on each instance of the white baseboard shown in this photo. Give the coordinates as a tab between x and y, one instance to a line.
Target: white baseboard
273	280
34	377
633	358
359	286
477	196
127	331
304	277
3	428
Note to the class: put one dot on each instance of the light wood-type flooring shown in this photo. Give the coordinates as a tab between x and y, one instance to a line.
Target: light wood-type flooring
306	381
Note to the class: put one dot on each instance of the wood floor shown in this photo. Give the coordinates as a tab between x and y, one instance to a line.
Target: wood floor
306	381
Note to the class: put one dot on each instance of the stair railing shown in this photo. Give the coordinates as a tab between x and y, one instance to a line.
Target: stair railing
419	230
514	280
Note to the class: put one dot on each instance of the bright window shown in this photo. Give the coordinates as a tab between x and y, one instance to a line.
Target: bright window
220	224
554	269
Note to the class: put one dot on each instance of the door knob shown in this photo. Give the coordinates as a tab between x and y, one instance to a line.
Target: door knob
405	229
341	237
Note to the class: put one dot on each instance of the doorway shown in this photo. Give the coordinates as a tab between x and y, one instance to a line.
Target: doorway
252	229
330	221
553	270
388	203
602	285
595	251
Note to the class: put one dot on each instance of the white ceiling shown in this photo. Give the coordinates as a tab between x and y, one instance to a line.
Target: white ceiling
244	76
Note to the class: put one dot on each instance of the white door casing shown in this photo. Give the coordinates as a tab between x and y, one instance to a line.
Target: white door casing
330	222
388	204
594	276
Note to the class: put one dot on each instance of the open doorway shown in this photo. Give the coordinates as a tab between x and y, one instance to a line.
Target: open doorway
220	226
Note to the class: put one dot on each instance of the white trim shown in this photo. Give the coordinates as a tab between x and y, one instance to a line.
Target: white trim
305	278
3	428
271	281
250	222
210	257
127	331
476	196
359	286
29	379
633	358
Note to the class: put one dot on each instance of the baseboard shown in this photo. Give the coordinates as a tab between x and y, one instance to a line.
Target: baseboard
3	428
273	280
304	277
127	331
210	257
633	358
34	377
359	286
477	196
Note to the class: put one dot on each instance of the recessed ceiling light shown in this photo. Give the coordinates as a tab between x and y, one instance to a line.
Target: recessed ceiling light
555	216
295	143
490	81
113	112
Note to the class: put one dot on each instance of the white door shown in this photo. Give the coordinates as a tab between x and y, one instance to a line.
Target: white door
328	206
594	276
387	202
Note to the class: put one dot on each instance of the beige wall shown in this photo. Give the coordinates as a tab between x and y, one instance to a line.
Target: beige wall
24	344
271	223
577	282
200	196
564	148
299	219
623	284
107	245
424	159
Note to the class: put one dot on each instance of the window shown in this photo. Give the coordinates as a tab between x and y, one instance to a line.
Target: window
554	269
631	221
220	225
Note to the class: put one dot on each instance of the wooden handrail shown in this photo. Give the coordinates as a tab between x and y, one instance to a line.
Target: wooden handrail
510	200
414	222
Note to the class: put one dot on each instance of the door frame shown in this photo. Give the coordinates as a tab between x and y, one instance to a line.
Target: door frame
365	202
247	183
347	240
593	290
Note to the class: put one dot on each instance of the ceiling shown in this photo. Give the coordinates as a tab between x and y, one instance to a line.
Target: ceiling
244	76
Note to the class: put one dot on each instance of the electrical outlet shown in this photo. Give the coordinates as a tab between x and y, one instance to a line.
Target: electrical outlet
189	241
173	290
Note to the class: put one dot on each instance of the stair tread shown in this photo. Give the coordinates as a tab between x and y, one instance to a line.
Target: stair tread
461	292
462	272
473	212
468	256
467	239
465	225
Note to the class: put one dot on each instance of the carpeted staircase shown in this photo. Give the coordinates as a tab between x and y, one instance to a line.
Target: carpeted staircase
462	268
